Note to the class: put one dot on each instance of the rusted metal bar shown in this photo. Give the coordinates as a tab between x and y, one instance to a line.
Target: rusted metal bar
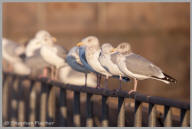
76	109
105	109
32	103
138	114
167	116
121	112
89	119
152	115
43	104
184	117
114	93
63	108
21	104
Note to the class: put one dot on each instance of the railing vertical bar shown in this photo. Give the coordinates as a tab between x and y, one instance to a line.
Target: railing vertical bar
152	115
51	104
184	117
14	102
167	116
89	119
63	108
121	112
43	104
21	104
32	103
76	109
105	121
138	114
6	97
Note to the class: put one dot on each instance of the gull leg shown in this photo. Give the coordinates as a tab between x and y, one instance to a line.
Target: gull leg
52	72
120	81
56	72
10	68
85	79
135	86
106	82
98	80
45	72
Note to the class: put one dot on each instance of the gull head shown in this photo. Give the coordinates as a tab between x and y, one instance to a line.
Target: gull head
106	48
123	48
89	41
44	37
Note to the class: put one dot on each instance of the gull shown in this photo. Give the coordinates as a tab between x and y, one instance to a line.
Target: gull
92	51
108	61
138	67
68	75
42	37
74	61
11	51
54	55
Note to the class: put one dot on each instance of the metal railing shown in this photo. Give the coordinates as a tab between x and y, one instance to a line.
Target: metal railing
20	111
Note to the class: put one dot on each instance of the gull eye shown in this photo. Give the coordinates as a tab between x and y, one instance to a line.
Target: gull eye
89	40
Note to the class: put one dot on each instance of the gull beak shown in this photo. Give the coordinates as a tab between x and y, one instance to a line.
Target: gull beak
113	50
54	39
79	44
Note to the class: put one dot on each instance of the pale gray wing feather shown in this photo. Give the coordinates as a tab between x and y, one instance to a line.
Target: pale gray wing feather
114	57
36	62
61	51
10	48
139	65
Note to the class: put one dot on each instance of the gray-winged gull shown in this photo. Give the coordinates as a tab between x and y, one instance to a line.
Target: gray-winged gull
138	67
74	61
108	61
54	55
42	37
92	52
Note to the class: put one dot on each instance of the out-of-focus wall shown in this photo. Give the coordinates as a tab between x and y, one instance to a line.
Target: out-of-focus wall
86	17
157	31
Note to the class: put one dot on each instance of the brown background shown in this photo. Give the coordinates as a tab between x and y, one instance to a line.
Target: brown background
158	31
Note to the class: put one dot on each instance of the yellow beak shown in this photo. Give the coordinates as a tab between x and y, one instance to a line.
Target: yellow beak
79	44
54	39
113	50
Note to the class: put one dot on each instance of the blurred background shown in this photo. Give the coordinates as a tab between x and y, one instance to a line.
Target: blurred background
158	31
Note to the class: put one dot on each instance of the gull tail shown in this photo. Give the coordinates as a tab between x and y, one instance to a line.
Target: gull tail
167	79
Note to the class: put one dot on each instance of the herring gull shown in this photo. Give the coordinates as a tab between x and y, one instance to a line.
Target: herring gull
138	67
108	61
74	61
92	52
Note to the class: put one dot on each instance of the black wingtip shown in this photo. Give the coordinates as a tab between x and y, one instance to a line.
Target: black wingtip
169	78
126	79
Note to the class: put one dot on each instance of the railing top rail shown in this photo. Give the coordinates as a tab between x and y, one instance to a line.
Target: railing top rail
111	93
